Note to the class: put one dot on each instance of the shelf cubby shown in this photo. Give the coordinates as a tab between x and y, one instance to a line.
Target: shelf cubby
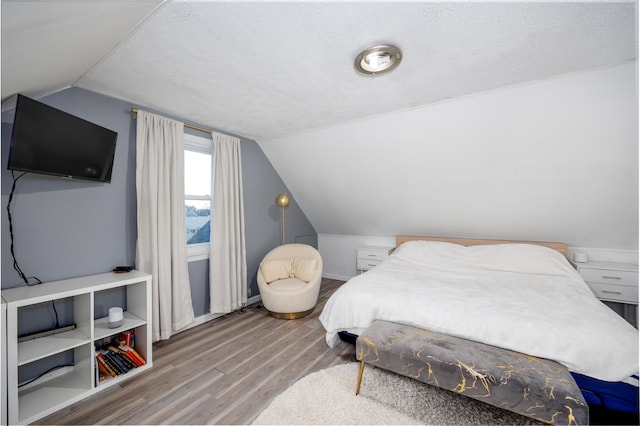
70	384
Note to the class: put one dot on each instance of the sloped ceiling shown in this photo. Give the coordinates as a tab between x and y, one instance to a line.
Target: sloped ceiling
281	73
47	46
269	69
550	160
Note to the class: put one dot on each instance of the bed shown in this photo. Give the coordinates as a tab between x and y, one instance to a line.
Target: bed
521	296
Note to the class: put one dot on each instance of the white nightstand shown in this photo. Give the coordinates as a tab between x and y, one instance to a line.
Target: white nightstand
613	282
370	256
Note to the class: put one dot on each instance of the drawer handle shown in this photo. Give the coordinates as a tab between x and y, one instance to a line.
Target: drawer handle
611	277
611	292
371	255
372	264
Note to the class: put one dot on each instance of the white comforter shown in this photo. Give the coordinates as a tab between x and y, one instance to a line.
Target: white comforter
520	297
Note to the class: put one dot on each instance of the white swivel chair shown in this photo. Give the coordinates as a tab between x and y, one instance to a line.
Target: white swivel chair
289	280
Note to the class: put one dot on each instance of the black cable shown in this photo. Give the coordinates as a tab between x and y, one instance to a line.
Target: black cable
42	374
13	254
53	303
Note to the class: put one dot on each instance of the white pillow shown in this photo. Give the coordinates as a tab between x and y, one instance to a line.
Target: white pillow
521	258
304	268
276	269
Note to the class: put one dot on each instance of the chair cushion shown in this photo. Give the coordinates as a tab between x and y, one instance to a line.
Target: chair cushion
288	284
304	268
275	269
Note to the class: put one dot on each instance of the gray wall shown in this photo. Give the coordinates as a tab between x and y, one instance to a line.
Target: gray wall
65	228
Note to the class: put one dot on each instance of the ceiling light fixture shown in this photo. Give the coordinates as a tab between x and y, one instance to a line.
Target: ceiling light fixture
378	60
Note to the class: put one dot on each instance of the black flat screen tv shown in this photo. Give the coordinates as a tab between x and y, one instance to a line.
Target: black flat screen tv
49	141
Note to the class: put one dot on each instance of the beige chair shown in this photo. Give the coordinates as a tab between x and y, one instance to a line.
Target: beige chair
289	279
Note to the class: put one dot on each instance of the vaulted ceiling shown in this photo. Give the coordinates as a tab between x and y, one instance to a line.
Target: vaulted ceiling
436	146
268	69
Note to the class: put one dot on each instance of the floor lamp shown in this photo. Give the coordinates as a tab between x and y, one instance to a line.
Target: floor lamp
283	201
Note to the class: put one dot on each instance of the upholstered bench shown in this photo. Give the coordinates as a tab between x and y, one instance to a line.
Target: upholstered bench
534	387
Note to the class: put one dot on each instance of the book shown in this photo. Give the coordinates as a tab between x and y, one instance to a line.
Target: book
126	338
129	354
103	365
109	361
133	352
103	368
117	361
122	357
132	357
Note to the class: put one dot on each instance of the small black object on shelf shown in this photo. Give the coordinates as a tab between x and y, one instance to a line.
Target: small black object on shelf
122	269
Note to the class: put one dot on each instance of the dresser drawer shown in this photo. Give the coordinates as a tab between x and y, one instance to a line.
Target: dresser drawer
615	293
373	253
366	264
608	276
370	256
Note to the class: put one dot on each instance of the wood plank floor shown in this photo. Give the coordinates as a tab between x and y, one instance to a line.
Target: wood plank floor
225	371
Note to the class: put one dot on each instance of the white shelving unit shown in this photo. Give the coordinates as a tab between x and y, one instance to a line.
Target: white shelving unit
70	384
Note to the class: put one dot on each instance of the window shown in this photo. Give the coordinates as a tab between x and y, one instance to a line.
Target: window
198	161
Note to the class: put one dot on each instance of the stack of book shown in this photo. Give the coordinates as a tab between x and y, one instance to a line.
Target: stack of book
115	360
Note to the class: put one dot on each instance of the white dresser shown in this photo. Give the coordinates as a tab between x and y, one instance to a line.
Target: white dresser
613	282
370	256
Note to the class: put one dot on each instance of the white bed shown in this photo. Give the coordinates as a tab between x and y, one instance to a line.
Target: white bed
522	297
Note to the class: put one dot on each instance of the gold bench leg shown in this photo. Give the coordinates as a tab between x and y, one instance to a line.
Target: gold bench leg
360	377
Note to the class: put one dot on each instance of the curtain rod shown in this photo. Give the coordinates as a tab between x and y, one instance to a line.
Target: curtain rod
134	111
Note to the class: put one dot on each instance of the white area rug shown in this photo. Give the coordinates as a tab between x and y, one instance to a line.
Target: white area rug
328	397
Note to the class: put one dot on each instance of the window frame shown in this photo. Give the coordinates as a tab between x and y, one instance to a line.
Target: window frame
203	145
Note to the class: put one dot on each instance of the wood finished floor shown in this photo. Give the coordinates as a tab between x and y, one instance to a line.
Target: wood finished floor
225	371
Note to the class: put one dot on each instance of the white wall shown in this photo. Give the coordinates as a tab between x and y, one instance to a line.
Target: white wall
339	253
553	160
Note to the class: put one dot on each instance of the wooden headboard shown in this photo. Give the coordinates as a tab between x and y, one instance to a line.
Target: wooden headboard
561	247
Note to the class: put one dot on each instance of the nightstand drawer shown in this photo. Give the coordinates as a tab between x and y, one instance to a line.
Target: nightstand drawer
366	264
370	256
373	253
615	293
608	276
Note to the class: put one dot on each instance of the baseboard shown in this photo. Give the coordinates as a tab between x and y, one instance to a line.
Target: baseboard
208	317
336	277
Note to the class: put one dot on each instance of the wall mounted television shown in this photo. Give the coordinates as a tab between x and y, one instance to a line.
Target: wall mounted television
49	141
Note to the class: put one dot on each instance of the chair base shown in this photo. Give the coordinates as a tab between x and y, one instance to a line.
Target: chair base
291	316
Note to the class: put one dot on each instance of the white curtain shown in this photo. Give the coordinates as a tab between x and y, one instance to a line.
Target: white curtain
161	245
228	264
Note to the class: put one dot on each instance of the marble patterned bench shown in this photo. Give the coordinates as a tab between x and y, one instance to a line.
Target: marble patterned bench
534	387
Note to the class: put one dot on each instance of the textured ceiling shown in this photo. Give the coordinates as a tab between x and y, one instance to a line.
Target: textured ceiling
269	69
47	46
